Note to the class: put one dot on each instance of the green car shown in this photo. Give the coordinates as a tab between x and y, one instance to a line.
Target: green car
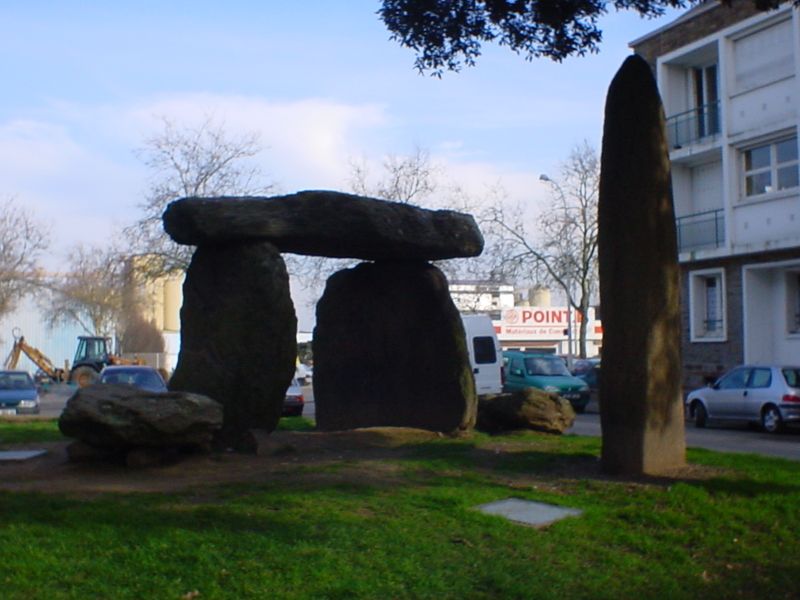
546	372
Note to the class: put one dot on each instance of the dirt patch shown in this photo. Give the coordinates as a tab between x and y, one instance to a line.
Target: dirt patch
279	452
366	456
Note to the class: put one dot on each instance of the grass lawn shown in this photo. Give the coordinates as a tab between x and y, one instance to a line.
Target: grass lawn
405	526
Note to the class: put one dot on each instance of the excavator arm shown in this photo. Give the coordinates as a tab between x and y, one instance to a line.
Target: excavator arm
40	360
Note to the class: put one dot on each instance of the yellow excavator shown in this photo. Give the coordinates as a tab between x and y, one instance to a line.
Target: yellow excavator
90	358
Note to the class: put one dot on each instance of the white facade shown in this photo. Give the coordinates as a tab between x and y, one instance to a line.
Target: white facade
732	103
481	296
525	320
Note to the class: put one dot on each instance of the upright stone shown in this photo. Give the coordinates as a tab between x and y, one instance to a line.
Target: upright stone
390	350
640	392
238	335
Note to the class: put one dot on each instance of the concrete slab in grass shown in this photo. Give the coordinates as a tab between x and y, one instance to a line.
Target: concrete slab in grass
17	455
528	512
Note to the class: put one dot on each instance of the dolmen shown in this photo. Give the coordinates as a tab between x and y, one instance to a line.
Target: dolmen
389	346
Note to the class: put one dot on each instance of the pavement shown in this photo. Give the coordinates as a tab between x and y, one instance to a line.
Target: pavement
528	512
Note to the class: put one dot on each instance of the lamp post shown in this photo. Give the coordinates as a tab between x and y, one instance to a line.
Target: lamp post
546	178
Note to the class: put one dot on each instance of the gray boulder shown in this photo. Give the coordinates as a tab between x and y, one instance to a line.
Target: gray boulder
238	336
326	223
390	350
530	408
122	417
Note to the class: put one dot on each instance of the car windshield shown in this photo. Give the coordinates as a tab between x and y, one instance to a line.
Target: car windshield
792	377
142	378
545	365
16	381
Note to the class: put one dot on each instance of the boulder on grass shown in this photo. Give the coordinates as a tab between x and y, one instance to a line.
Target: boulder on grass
530	408
119	417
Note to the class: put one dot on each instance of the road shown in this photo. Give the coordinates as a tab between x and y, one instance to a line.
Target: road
728	439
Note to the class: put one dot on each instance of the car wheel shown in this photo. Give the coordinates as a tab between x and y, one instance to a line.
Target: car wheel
771	419
700	414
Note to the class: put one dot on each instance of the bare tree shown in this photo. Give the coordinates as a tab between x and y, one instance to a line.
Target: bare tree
22	242
410	179
565	250
185	161
90	294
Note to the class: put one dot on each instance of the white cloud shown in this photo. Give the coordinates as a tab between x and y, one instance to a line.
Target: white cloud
76	165
307	142
35	148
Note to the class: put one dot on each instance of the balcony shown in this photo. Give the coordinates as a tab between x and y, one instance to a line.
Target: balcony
693	125
701	230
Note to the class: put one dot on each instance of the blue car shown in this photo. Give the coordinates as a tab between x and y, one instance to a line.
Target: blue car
546	372
18	394
139	376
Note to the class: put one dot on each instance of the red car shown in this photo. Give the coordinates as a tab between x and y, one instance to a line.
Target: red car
293	402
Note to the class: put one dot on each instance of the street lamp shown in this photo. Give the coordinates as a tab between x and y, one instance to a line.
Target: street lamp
546	178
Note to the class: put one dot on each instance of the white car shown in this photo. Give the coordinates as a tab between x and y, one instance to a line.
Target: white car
764	394
303	374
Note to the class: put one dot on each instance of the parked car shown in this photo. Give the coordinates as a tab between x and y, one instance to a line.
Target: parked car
18	394
140	376
765	394
583	365
294	402
303	373
547	372
592	378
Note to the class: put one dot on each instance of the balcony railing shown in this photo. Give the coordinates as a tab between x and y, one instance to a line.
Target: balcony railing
701	230
693	125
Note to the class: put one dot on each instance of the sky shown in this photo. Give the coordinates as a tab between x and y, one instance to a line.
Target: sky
85	83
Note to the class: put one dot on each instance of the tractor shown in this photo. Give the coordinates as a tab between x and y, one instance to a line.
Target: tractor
90	358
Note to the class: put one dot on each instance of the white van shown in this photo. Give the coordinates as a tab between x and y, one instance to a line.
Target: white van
484	353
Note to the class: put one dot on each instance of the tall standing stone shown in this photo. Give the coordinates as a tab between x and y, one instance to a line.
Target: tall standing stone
238	335
640	393
390	350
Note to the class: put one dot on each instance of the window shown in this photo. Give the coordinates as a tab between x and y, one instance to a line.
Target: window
707	305
792	377
793	301
771	167
706	100
735	380
515	368
546	366
713	304
484	350
761	378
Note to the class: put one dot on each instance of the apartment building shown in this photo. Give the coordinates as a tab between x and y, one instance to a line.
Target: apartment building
731	93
